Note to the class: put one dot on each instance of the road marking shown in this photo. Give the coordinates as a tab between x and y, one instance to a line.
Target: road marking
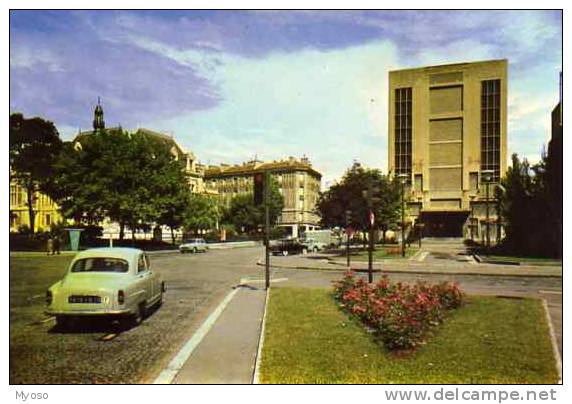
422	256
554	342
256	376
108	337
170	372
246	280
550	292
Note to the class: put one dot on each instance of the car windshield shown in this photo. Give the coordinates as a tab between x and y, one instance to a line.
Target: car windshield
100	264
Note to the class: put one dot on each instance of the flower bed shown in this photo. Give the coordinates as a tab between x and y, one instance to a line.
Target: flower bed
400	314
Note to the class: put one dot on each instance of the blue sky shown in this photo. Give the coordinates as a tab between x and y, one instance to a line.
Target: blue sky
231	85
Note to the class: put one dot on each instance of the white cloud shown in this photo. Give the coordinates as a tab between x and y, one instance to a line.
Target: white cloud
329	105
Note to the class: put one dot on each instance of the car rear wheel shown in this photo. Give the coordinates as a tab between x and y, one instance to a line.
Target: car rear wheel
64	322
138	317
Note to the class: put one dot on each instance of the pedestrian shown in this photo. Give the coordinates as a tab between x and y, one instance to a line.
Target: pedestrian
50	245
56	244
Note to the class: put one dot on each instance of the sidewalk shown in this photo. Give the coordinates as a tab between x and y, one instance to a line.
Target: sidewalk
326	263
227	353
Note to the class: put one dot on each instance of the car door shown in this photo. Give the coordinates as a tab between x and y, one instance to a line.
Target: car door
144	279
155	279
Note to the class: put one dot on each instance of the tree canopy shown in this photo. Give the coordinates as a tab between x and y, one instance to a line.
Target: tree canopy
245	216
349	194
130	178
34	146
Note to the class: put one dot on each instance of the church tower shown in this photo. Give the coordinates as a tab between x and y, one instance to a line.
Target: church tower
98	122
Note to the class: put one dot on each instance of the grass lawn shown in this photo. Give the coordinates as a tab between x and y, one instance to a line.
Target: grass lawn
308	339
385	253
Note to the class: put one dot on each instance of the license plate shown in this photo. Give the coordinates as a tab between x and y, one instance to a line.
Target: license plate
84	299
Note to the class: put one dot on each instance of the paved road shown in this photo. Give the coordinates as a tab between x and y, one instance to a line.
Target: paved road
41	354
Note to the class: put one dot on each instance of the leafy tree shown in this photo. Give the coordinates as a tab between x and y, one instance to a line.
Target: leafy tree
202	212
244	215
349	194
526	207
34	145
131	179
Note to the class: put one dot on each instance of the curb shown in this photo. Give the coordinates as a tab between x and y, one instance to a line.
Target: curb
397	271
555	351
258	360
482	260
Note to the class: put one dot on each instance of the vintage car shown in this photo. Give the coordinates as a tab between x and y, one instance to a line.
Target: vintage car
194	245
287	246
106	282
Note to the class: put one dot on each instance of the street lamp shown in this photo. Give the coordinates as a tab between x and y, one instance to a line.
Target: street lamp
487	177
472	219
498	194
419	224
402	178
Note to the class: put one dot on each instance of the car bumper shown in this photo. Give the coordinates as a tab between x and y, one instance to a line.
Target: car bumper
89	312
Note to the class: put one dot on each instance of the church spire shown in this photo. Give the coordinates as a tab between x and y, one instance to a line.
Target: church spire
98	123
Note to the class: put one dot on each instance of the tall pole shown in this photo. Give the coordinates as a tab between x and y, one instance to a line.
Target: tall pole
471	224
402	219
488	240
370	247
348	214
267	227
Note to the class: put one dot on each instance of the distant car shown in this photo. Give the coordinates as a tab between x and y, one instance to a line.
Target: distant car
193	246
287	246
115	282
314	245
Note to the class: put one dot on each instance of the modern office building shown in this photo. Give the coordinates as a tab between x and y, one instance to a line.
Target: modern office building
299	183
447	135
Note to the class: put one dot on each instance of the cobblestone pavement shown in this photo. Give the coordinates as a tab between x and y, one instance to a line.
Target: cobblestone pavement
92	352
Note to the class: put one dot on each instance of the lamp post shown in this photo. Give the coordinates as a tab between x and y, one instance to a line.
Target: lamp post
348	223
402	178
419	224
486	177
472	218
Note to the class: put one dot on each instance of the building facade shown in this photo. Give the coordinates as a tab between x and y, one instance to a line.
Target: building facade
447	136
299	183
45	209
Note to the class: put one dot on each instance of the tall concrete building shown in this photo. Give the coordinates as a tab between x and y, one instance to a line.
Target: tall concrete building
447	134
298	182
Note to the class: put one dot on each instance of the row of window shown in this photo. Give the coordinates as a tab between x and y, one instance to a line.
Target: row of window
490	129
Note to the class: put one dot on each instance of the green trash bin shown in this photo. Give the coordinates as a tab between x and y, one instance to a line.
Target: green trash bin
74	238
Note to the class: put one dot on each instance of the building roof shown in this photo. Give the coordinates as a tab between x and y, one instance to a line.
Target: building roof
451	65
143	131
254	166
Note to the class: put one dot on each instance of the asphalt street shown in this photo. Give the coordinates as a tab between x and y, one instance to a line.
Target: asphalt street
96	353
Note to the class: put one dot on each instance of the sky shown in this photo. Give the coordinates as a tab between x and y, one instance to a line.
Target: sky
234	85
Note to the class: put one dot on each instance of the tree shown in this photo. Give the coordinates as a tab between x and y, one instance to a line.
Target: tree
131	179
202	212
245	216
34	146
349	194
526	209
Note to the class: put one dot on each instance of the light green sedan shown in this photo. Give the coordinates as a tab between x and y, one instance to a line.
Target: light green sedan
106	282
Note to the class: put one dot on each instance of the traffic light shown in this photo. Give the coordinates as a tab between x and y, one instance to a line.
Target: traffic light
258	189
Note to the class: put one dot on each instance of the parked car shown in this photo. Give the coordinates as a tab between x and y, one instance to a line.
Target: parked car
313	245
287	246
115	282
194	245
